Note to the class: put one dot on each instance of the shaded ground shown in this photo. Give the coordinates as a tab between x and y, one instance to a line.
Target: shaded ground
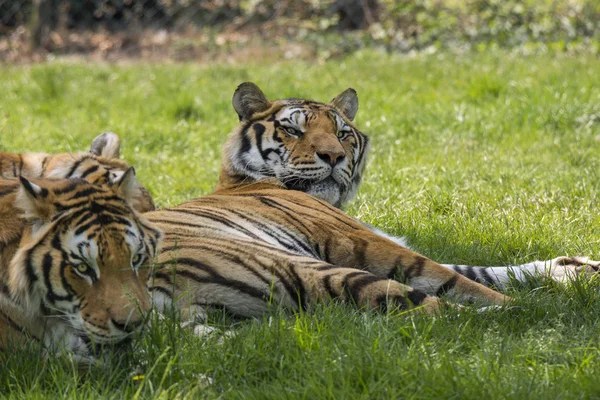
152	45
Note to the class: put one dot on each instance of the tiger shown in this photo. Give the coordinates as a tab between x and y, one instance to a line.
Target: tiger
100	165
273	231
74	251
326	158
79	274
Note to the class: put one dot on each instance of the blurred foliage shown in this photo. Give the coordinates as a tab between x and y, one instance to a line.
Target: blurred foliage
420	23
396	25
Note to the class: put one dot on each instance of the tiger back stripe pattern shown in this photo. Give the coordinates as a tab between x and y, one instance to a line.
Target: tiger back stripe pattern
12	227
239	249
43	165
15	323
77	276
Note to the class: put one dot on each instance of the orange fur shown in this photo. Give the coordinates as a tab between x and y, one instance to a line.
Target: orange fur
74	259
100	167
257	240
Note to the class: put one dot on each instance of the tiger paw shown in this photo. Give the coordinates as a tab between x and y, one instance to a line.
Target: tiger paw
564	269
207	332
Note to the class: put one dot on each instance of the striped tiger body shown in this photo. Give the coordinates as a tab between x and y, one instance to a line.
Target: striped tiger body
245	247
273	231
78	274
314	147
87	173
100	165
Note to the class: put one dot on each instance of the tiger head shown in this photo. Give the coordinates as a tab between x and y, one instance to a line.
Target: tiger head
300	144
85	255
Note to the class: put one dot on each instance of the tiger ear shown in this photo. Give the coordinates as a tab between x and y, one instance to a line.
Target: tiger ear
107	145
126	185
248	100
347	103
34	200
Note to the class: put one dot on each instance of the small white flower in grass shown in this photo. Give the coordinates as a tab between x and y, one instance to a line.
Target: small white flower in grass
204	380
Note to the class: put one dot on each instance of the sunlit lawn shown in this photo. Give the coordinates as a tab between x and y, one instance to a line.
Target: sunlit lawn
482	159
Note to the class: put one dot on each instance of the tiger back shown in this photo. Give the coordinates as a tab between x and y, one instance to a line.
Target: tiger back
314	148
273	232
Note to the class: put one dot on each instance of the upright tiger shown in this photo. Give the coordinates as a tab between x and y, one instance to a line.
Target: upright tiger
314	147
79	273
254	241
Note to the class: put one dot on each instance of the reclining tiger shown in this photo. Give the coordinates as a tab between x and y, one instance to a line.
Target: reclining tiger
328	162
294	247
73	251
272	230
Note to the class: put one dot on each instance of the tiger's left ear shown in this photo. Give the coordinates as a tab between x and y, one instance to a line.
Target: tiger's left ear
248	100
107	145
347	103
35	201
126	185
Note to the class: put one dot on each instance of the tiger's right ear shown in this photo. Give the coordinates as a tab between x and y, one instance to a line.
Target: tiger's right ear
107	145
347	103
34	201
248	100
126	185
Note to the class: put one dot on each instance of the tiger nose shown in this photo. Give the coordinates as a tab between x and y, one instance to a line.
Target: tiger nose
331	157
129	325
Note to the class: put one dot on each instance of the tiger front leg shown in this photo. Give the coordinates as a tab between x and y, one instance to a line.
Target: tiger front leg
192	315
363	289
386	259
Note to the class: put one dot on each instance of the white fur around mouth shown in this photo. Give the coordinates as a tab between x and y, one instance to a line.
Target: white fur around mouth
305	184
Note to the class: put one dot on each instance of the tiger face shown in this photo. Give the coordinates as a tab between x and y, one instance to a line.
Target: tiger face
85	257
300	144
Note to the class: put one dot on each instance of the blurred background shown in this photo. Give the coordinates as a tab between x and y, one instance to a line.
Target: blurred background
238	30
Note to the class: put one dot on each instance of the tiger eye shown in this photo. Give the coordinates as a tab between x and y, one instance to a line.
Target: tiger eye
342	134
136	259
291	131
82	268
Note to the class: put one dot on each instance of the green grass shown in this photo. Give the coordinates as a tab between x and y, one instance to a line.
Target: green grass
482	159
